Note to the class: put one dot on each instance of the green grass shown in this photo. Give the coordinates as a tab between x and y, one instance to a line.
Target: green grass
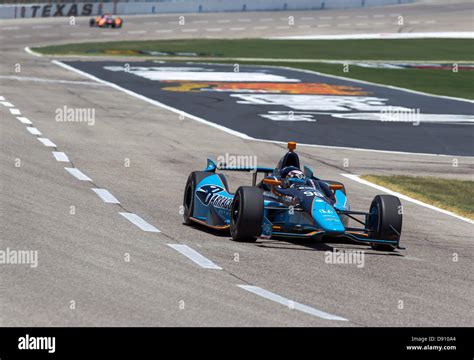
439	82
452	195
413	49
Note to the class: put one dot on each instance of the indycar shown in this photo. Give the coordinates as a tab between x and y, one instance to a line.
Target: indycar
106	21
287	203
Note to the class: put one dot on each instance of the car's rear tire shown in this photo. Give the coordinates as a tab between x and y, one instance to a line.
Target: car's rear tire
246	214
385	221
91	22
188	201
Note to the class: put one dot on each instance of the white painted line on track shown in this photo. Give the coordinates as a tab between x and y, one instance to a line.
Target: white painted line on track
304	26
33	131
200	21
245	136
289	303
405	197
214	29
194	256
47	35
237	28
223	21
323	25
58	81
307	18
266	19
260	27
136	31
46	142
283	27
60	156
244	20
41	26
2	98
15	111
24	120
25	36
80	34
325	17
7	104
78	174
189	30
164	31
139	222
106	196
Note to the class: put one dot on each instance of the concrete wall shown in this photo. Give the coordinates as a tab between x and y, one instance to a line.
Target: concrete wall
130	8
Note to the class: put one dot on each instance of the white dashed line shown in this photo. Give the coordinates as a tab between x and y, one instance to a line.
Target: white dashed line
223	21
33	131
214	29
343	17
78	174
237	28
266	19
106	196
194	256
343	25
47	35
362	16
10	28
243	20
413	22
111	33
60	156
304	26
15	111
430	22
307	18
283	27
260	27
325	17
324	25
79	34
362	24
24	120
7	104
379	16
379	23
163	31
47	142
139	222
289	303
200	21
21	36
136	32
189	30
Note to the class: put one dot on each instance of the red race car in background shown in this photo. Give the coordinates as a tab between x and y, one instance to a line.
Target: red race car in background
105	21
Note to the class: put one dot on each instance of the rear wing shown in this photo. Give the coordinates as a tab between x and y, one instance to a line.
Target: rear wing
212	167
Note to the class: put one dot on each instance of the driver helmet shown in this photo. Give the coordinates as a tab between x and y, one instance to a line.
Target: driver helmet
295	177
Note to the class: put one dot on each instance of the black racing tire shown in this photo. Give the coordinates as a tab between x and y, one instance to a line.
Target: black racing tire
385	221
91	22
246	214
188	201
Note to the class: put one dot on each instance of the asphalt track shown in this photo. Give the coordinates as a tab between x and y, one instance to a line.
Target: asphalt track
305	107
82	255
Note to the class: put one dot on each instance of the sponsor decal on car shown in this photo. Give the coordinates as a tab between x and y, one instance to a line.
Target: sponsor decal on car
210	195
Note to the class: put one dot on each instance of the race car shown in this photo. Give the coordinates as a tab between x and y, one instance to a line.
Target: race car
105	21
287	203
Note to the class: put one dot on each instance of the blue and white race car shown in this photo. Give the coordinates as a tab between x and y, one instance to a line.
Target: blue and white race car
287	203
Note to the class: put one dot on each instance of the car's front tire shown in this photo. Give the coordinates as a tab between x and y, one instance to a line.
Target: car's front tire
385	221
246	214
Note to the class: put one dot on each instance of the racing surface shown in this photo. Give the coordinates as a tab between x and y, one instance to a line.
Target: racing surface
82	253
281	104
